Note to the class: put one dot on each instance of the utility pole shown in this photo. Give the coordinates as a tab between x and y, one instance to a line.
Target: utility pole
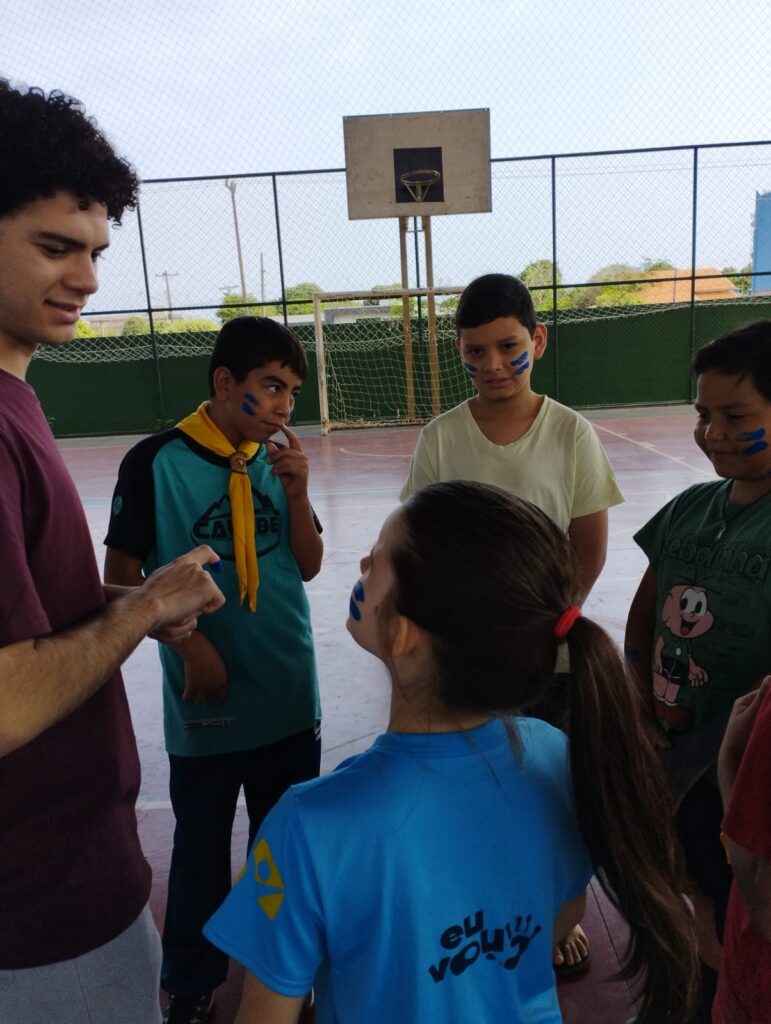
167	275
231	187
262	278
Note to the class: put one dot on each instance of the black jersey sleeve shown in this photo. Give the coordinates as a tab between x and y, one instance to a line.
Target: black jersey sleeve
132	514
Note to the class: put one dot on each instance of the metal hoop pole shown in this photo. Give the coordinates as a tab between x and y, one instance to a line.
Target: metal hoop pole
321	365
407	322
433	350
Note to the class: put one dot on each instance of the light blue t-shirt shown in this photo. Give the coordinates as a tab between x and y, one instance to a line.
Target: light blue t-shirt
171	495
418	883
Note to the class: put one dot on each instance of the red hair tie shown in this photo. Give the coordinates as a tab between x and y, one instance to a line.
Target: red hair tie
565	622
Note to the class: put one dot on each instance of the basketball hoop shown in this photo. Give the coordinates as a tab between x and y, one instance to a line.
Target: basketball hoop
419	182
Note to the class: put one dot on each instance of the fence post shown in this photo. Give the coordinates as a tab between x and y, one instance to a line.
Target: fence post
153	343
280	250
555	329
691	381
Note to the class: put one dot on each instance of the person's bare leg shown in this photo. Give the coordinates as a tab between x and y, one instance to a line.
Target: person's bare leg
572	949
709	944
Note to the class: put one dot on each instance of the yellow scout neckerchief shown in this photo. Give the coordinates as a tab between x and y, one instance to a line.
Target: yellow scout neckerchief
200	426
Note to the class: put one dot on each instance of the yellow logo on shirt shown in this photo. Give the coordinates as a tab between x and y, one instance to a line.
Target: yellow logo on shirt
267	874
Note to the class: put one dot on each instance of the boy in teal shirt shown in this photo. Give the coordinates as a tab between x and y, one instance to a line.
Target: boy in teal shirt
241	701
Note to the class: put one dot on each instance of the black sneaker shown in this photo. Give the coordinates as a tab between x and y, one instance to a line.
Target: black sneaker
188	1009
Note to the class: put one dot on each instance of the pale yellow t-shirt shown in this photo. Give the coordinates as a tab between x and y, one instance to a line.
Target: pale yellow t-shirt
559	464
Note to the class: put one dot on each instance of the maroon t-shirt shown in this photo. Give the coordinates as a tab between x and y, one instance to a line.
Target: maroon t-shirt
744	987
72	873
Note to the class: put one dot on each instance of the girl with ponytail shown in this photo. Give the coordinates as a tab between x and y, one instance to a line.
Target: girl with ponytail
426	879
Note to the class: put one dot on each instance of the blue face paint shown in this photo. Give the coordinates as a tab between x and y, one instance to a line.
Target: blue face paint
752	435
759	446
245	407
470	368
522	362
251	398
356	596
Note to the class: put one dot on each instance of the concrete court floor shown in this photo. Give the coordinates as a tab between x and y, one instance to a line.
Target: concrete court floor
355	480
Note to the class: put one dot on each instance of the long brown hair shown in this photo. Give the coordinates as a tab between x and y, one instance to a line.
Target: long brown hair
487	575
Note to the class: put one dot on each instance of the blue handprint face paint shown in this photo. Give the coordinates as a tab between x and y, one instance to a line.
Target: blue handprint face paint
733	427
250	404
357	597
371	590
499	356
759	446
754	435
521	364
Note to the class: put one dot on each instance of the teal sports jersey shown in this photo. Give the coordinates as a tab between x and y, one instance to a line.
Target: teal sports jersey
417	883
171	495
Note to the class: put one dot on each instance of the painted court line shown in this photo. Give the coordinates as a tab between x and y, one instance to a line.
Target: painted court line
648	447
165	805
75	448
377	455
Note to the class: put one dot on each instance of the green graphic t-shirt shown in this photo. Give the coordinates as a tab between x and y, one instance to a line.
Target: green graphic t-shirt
713	608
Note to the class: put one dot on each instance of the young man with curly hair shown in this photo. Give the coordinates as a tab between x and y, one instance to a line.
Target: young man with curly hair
77	942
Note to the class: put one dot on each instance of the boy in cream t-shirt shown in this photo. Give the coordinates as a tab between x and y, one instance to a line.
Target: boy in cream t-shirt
527	444
510	436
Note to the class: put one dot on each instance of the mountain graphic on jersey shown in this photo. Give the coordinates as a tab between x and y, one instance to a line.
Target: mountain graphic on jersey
215	526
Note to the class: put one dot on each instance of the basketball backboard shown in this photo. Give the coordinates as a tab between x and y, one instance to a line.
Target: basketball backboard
443	157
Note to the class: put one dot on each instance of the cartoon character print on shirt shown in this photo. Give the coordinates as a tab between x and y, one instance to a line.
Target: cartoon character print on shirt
686	617
215	526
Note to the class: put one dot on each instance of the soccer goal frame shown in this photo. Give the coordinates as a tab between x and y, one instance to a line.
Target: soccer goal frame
423	362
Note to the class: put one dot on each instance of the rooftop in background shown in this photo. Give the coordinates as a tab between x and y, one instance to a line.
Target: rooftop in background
709	284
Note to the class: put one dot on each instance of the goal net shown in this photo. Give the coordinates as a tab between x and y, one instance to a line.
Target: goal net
384	359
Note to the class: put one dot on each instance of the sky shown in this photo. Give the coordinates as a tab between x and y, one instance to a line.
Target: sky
210	87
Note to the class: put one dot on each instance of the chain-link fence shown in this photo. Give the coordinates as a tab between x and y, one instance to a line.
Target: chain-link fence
635	258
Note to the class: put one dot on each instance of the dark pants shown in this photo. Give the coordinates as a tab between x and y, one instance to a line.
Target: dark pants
204	792
698	822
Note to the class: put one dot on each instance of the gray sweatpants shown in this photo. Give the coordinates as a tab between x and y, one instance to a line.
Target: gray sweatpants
114	984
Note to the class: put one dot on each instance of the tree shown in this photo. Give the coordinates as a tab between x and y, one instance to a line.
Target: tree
742	284
135	325
298	292
83	329
602	294
540	275
395	304
651	266
185	326
233	305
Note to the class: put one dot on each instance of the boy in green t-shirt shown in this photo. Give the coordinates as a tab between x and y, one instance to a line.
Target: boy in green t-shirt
240	694
699	629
